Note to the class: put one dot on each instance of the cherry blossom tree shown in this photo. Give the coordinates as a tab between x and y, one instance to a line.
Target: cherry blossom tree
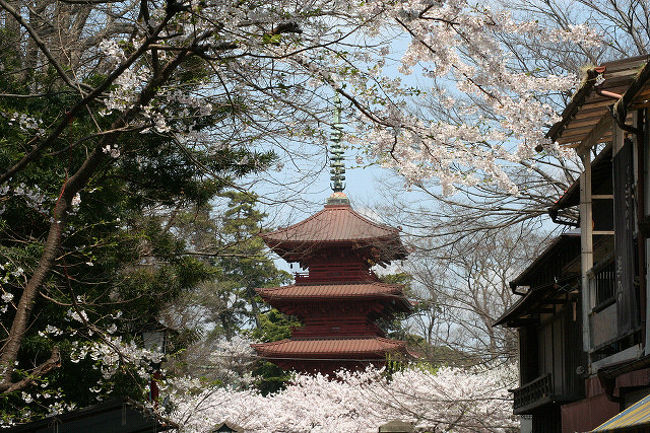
541	179
445	227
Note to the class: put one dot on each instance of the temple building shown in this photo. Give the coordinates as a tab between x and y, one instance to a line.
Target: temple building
582	319
339	299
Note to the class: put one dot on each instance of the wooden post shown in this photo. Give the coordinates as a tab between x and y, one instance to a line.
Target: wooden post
586	243
397	426
645	179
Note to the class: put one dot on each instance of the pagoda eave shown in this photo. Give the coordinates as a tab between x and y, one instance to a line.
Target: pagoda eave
391	297
362	349
296	251
336	225
402	305
333	290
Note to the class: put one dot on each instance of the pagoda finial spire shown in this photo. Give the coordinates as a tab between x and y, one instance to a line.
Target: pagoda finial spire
336	162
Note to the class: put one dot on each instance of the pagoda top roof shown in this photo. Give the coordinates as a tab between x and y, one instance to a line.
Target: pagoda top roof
318	292
333	347
336	225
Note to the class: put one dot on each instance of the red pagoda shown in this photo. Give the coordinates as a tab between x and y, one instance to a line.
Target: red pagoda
339	299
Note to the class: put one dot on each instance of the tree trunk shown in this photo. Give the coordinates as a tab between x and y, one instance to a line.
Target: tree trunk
70	188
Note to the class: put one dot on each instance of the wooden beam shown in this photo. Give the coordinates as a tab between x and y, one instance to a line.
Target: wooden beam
516	323
586	235
621	107
583	131
602	127
556	301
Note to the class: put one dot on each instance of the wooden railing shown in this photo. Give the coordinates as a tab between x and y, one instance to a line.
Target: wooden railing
335	275
532	392
602	282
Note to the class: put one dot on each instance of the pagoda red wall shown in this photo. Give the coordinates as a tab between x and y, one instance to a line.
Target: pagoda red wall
336	265
339	318
325	366
342	326
336	318
335	274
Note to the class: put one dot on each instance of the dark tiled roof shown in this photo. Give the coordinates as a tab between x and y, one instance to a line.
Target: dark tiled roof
109	416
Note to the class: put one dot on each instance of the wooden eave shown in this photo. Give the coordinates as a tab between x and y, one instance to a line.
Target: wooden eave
559	244
331	348
541	299
586	120
381	250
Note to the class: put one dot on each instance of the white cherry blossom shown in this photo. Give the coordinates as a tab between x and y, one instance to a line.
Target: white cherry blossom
444	399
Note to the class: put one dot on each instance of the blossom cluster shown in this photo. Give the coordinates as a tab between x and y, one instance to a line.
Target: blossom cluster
25	122
8	273
498	116
53	400
446	399
34	197
41	394
231	360
109	355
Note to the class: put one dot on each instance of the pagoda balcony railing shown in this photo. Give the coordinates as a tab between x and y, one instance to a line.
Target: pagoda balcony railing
533	394
335	275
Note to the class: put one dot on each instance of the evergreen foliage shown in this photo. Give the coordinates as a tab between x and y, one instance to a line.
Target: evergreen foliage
124	257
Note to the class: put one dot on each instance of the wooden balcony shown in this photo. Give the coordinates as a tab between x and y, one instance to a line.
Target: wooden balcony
603	317
602	284
533	394
335	273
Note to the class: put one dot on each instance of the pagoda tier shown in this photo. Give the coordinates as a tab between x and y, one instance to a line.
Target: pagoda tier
326	355
338	309
339	300
339	227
